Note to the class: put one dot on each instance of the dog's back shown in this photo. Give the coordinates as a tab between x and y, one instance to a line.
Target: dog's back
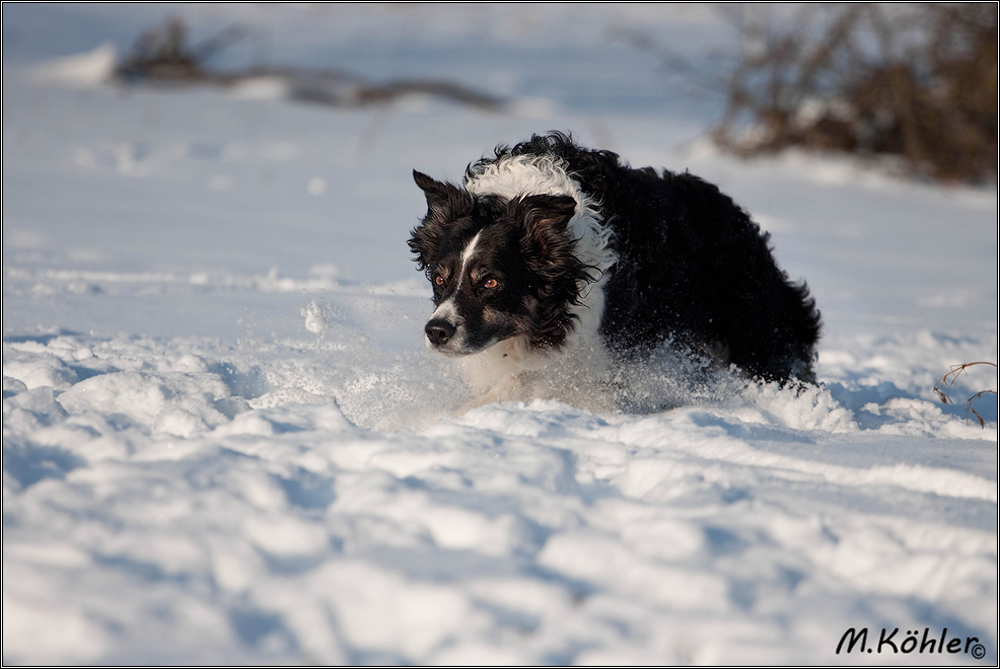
690	265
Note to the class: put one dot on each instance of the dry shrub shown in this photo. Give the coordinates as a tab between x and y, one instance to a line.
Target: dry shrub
164	55
914	80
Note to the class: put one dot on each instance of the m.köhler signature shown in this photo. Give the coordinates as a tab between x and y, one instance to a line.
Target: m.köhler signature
911	641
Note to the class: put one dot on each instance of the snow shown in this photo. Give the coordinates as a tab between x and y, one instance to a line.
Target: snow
85	70
224	441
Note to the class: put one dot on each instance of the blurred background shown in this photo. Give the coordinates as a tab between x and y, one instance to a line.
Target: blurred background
917	81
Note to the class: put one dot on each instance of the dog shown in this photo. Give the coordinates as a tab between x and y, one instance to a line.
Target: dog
553	264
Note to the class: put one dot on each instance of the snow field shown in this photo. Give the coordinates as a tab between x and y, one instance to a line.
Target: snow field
167	505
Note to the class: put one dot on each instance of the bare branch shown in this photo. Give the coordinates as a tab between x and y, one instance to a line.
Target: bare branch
942	388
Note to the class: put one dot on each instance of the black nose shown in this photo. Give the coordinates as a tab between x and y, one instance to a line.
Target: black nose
439	331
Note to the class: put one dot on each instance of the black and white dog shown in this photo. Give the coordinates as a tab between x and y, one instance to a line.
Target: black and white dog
553	263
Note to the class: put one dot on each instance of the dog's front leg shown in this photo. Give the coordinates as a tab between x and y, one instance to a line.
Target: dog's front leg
510	388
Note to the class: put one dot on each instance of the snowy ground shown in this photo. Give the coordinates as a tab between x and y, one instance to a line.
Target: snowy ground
224	442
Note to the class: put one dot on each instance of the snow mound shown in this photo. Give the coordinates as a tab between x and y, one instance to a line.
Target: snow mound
85	70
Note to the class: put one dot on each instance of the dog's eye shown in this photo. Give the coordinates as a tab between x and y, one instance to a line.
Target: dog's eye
491	283
438	280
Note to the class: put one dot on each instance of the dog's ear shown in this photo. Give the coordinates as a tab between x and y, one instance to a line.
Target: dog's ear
445	203
548	249
443	198
545	218
435	191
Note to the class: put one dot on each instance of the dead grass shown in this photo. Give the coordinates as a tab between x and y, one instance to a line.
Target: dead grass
943	387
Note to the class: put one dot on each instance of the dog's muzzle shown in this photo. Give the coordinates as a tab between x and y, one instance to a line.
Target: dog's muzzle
439	331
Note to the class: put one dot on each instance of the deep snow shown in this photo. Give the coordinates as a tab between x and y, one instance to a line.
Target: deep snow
224	442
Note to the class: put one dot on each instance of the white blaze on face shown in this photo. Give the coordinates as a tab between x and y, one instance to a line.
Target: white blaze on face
470	249
447	311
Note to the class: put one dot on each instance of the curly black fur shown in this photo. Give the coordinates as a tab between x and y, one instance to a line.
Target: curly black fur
557	274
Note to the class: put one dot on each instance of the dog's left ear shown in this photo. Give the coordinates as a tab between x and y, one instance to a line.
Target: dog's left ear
545	218
548	250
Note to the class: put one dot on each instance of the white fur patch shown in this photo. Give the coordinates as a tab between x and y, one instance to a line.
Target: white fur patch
512	371
447	312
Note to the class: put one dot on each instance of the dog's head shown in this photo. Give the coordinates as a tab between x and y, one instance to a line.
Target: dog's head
499	267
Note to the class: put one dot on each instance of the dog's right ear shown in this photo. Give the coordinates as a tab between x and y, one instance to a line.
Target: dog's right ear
445	203
434	190
443	198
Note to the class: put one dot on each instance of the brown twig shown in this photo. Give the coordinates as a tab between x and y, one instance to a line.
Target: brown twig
943	386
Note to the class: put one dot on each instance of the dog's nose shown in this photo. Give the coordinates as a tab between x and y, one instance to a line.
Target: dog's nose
439	331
